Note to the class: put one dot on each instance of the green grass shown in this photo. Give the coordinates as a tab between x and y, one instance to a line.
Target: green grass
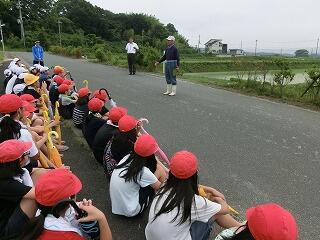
1	56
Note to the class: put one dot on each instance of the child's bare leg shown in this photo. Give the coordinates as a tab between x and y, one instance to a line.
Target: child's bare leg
227	221
29	207
161	172
37	122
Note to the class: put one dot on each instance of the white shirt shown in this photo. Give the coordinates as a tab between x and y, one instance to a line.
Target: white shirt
27	137
163	227
125	195
10	84
131	47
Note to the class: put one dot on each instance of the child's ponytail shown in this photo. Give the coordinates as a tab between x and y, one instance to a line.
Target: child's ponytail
9	128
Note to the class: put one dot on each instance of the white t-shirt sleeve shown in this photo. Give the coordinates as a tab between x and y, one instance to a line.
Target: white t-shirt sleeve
205	209
127	46
136	46
27	137
147	178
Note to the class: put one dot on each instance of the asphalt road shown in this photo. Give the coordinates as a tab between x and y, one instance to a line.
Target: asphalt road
252	150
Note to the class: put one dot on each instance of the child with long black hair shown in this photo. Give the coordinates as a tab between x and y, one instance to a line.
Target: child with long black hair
17	198
178	212
266	221
60	217
121	143
136	178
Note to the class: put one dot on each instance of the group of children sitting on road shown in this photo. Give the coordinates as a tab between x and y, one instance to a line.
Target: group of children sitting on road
38	193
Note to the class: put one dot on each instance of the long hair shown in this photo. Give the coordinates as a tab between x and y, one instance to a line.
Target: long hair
179	193
10	169
9	128
35	226
136	165
124	139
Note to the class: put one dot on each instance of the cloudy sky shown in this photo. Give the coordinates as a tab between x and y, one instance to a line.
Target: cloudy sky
276	24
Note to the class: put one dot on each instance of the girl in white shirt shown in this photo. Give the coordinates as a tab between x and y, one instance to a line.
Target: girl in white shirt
178	212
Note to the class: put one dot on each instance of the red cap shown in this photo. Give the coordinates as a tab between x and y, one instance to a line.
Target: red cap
58	70
145	145
58	79
101	94
28	108
116	113
67	82
83	92
56	185
127	123
10	103
183	164
13	149
28	98
63	88
95	105
271	221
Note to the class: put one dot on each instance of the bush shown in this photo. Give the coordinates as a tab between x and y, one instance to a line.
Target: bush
100	55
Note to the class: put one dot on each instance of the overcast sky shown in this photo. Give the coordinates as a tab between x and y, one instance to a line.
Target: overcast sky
276	24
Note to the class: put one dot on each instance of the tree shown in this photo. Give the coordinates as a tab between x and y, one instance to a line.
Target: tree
171	29
284	76
302	53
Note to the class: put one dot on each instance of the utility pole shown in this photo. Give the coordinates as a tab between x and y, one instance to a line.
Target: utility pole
2	25
255	49
20	21
199	44
317	47
59	25
241	45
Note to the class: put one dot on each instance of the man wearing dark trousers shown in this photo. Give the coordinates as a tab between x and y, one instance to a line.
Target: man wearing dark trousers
132	49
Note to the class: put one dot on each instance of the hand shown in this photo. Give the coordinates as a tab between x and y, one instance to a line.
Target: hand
212	193
156	63
177	67
94	214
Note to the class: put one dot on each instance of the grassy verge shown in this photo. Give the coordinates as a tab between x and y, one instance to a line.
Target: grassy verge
1	56
292	93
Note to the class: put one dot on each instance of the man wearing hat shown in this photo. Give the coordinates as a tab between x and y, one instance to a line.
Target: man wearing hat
172	64
37	52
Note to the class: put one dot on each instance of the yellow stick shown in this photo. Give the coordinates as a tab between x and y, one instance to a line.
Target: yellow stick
57	118
86	83
54	153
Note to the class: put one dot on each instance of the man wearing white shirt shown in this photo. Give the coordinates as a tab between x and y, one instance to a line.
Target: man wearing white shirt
131	49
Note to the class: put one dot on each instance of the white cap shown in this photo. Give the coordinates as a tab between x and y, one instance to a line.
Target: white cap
18	88
7	72
19	70
43	69
16	59
171	38
22	75
37	66
32	68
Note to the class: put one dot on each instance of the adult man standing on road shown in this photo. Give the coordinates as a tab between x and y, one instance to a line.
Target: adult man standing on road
172	64
132	49
37	52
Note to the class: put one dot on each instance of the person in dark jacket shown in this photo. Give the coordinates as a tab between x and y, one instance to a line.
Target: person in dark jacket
106	131
172	59
93	121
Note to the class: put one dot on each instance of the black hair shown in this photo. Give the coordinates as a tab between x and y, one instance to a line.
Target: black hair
244	234
82	100
124	139
10	169
136	164
9	128
34	228
179	193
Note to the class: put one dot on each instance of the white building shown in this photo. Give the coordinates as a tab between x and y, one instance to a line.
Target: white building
214	46
237	52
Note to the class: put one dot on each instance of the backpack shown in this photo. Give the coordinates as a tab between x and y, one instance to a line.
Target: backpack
109	163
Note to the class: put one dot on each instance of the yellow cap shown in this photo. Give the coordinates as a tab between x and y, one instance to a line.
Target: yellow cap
30	79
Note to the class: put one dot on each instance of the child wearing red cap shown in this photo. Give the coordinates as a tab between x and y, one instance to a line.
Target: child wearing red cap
136	178
121	144
60	217
17	199
178	208
53	89
106	131
67	101
81	110
93	121
104	96
10	127
264	221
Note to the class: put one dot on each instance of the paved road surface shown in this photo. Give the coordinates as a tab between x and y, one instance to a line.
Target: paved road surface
253	150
